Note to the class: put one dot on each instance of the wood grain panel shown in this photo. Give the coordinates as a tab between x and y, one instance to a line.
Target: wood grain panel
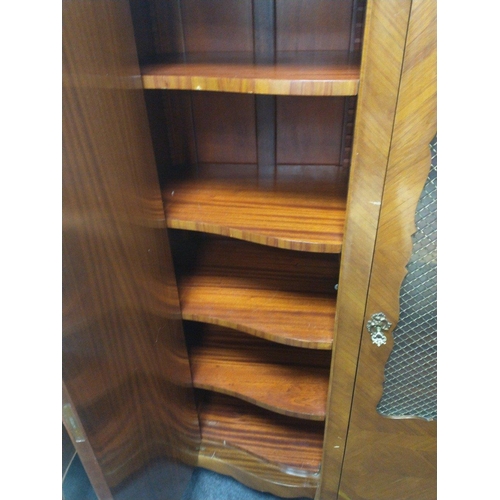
284	379
313	24
254	472
287	297
293	73
116	334
396	458
225	127
217	25
383	50
84	450
309	130
302	209
294	444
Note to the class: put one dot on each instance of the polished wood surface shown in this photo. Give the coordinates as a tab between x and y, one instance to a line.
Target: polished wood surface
254	472
303	208
292	48
294	444
283	296
289	73
389	458
383	50
124	361
287	380
84	449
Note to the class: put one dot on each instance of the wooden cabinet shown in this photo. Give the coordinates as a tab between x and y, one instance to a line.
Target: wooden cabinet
230	168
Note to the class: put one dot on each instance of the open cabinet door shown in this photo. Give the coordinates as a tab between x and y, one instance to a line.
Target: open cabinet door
127	394
391	444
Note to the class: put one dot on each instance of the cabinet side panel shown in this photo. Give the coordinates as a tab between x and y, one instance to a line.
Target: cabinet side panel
125	364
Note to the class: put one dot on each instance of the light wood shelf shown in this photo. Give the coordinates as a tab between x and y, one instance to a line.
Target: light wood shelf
284	379
320	73
294	445
300	208
284	296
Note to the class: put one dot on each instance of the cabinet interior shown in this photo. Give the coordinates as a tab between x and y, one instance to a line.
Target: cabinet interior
252	106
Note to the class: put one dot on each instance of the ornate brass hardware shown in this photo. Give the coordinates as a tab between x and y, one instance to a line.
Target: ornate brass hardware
376	325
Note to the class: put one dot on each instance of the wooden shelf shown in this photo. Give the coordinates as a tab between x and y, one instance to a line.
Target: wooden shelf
300	208
285	379
286	297
254	472
293	444
321	73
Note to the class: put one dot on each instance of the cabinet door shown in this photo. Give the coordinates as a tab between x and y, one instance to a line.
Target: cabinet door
127	397
391	444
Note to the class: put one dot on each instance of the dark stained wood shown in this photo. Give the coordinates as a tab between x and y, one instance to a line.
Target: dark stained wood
284	379
294	444
264	30
216	25
383	50
124	361
283	296
265	115
264	27
313	24
389	458
309	130
328	73
225	127
303	209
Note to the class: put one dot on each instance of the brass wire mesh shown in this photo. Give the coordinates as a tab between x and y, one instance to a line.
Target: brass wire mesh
410	387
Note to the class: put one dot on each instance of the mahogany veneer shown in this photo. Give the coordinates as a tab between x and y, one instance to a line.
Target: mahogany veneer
284	296
295	444
325	73
297	211
288	380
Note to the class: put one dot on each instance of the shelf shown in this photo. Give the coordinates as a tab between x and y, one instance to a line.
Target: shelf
301	208
288	380
293	444
321	73
284	296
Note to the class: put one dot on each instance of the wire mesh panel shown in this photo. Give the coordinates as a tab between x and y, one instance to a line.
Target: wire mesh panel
410	387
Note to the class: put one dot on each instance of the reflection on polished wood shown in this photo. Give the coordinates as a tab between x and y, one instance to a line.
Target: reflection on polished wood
254	472
300	209
389	458
288	73
292	444
283	296
135	408
383	50
284	379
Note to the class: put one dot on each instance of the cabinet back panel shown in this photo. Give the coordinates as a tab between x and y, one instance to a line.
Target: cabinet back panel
225	127
217	25
212	127
309	130
313	25
175	27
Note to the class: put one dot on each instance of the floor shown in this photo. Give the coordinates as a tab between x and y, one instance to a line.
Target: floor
204	485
